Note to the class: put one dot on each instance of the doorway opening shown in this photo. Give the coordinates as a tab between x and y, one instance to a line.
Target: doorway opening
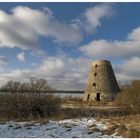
88	97
98	97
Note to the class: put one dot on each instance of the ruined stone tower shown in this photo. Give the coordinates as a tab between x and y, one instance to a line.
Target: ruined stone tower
102	83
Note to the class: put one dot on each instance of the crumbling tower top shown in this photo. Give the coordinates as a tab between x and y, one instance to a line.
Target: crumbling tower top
100	62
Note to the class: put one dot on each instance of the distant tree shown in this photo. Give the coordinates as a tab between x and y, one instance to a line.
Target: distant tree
39	85
12	86
34	85
24	87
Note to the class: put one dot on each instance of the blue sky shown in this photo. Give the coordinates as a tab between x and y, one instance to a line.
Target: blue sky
58	41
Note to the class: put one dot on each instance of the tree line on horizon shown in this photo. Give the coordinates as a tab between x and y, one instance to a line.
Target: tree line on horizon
34	85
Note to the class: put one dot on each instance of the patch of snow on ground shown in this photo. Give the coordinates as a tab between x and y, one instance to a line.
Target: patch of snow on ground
69	128
101	126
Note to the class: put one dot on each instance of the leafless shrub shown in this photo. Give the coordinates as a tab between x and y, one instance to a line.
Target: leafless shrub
129	98
21	106
32	103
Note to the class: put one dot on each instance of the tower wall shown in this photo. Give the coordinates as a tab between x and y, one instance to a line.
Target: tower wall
102	83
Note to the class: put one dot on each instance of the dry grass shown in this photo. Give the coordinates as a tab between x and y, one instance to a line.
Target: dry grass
126	126
74	102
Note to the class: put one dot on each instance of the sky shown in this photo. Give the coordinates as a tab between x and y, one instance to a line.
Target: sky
58	41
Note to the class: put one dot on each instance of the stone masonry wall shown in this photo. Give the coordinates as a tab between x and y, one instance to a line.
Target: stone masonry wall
102	81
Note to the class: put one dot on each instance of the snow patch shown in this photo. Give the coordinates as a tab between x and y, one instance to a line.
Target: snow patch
69	128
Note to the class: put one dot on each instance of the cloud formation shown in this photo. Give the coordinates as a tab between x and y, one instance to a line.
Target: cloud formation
129	70
22	27
21	57
94	15
69	73
61	72
115	49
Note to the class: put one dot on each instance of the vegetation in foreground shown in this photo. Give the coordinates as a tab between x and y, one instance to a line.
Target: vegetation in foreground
129	98
21	105
38	106
126	126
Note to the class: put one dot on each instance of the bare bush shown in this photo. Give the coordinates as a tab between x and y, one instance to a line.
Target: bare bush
129	98
21	106
32	103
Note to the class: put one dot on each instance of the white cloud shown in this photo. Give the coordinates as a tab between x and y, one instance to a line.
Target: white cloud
65	73
51	67
16	75
71	74
61	72
14	33
21	57
129	70
3	60
93	16
23	25
115	49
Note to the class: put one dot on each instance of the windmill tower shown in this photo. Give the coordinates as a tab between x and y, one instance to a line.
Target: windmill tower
102	83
